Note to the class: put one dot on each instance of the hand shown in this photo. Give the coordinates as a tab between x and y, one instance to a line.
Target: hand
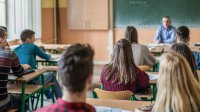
7	48
26	66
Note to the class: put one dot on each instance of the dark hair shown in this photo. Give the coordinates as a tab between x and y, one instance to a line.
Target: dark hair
183	33
4	28
2	33
26	34
168	17
131	34
185	51
122	68
75	66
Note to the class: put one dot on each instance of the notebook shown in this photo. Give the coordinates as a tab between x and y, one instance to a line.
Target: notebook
26	71
153	76
109	109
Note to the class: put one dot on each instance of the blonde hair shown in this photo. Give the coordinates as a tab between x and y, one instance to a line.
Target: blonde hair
178	90
122	66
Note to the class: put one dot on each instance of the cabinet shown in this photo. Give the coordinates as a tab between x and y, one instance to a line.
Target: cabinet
87	14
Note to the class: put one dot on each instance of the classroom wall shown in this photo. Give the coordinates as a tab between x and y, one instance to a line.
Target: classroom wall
98	39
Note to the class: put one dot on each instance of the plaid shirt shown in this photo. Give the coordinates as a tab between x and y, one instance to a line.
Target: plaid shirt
63	106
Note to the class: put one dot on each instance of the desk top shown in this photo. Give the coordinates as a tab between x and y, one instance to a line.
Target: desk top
54	46
54	58
31	76
123	104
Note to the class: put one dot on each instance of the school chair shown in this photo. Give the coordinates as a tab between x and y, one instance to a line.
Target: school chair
117	95
144	67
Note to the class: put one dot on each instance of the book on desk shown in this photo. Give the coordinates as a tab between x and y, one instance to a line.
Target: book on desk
26	71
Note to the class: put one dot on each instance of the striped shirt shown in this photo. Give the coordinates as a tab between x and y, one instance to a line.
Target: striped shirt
8	61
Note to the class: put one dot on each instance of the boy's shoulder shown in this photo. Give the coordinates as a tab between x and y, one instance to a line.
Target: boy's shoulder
8	54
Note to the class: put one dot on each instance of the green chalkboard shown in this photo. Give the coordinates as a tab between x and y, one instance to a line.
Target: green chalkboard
148	13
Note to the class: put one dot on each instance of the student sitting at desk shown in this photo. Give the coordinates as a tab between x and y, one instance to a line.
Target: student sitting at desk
183	36
141	53
27	53
122	73
9	61
75	69
165	32
185	51
178	90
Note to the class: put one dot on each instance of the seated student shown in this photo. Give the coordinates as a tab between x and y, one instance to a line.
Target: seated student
122	73
185	51
9	61
75	69
27	53
183	36
178	90
165	32
7	46
141	53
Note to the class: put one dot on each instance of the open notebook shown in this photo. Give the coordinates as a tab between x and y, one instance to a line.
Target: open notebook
26	71
109	109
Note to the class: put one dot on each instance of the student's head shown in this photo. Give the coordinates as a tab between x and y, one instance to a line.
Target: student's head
131	34
4	28
122	66
3	38
27	36
178	91
166	21
76	68
183	34
185	51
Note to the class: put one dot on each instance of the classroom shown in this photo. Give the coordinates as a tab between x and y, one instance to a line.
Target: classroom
99	56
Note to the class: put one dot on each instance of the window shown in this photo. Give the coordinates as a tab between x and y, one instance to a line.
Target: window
23	14
2	13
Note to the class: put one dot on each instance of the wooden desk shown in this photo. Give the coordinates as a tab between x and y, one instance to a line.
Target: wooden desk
123	104
50	68
24	79
54	46
53	62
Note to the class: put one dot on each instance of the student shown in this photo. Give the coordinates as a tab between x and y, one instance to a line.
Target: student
7	46
178	90
122	73
141	53
9	61
165	32
75	69
27	53
185	51
183	36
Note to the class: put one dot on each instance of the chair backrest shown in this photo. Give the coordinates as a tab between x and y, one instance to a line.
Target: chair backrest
144	67
118	95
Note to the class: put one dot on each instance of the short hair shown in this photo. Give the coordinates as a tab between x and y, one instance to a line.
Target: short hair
168	17
4	28
131	34
2	33
183	33
26	34
75	66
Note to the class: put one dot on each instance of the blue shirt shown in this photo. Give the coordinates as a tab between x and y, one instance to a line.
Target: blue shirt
197	59
165	35
27	54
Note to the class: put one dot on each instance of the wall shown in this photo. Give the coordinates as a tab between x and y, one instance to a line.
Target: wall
98	39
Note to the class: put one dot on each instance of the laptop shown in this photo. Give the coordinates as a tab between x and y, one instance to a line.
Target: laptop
26	71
